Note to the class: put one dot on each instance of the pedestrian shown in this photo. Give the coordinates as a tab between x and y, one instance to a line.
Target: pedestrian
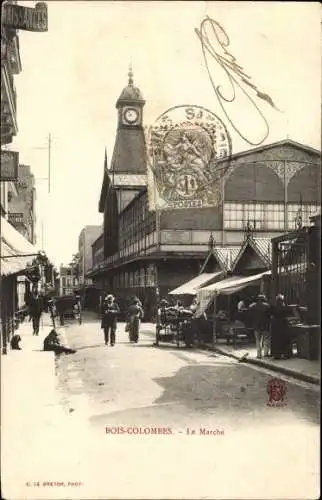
241	305
194	305
136	300
161	312
36	307
281	344
241	310
179	305
110	311
260	318
135	314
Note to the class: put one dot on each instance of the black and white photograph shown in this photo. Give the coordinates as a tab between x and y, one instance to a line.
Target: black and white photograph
160	197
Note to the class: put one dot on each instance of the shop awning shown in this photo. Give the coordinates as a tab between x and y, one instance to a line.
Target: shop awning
16	253
191	287
227	286
234	284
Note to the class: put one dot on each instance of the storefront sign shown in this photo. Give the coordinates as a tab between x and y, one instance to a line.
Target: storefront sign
16	218
9	166
26	18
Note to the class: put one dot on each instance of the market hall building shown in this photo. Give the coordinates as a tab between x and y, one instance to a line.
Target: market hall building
149	253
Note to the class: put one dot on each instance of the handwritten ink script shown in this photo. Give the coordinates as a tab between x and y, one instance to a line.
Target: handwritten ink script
235	73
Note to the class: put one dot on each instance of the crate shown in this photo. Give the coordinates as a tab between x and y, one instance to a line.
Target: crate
308	342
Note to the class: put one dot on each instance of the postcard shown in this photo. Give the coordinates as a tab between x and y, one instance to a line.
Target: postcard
160	250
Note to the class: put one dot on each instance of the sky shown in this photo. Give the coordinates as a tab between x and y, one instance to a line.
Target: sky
73	74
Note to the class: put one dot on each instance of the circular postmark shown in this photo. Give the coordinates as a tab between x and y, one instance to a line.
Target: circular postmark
187	150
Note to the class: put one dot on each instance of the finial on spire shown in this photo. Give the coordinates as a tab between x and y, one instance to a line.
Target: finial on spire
248	230
130	74
211	242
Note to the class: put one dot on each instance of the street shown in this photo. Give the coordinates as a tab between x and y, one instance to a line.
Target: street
209	414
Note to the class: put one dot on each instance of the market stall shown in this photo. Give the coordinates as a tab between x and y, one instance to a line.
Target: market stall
208	297
192	286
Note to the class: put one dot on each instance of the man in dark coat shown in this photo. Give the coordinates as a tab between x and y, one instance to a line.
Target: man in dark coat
36	307
260	319
281	338
110	311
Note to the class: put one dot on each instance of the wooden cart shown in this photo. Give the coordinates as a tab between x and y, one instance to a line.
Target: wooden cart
66	307
173	326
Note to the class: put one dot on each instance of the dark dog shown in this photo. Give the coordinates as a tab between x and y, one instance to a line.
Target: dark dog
14	343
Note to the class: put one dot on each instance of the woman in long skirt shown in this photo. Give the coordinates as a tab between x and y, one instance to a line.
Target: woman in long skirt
135	314
281	345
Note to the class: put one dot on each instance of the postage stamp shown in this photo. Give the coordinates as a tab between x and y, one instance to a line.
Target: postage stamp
276	390
184	146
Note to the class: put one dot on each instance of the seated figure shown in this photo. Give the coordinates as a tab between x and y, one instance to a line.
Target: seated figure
52	343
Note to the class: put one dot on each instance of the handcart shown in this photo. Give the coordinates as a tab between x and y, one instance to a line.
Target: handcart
173	326
67	307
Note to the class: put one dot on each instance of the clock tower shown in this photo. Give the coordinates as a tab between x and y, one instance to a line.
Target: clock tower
128	167
130	105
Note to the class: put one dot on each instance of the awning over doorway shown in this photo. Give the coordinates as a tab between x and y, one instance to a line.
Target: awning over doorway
191	287
16	253
234	284
227	286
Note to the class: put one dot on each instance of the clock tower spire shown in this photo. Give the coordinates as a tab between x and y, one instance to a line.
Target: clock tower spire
130	74
130	104
128	166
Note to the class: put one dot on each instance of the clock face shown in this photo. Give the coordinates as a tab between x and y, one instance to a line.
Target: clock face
131	115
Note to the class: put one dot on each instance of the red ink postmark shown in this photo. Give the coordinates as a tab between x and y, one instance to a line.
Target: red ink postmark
276	390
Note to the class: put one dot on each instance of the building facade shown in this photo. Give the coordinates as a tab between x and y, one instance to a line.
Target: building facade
10	66
148	253
85	240
22	206
68	281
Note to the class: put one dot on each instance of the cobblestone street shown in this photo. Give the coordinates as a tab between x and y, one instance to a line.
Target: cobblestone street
113	390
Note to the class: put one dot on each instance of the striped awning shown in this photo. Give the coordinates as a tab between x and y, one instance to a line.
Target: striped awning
234	284
228	286
191	287
16	253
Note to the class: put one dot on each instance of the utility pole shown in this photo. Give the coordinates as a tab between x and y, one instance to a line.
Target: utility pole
48	147
42	234
49	160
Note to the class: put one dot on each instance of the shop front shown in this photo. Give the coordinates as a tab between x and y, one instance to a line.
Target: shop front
219	303
21	268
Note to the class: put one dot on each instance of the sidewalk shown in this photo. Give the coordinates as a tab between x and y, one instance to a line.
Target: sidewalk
28	376
39	441
301	369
